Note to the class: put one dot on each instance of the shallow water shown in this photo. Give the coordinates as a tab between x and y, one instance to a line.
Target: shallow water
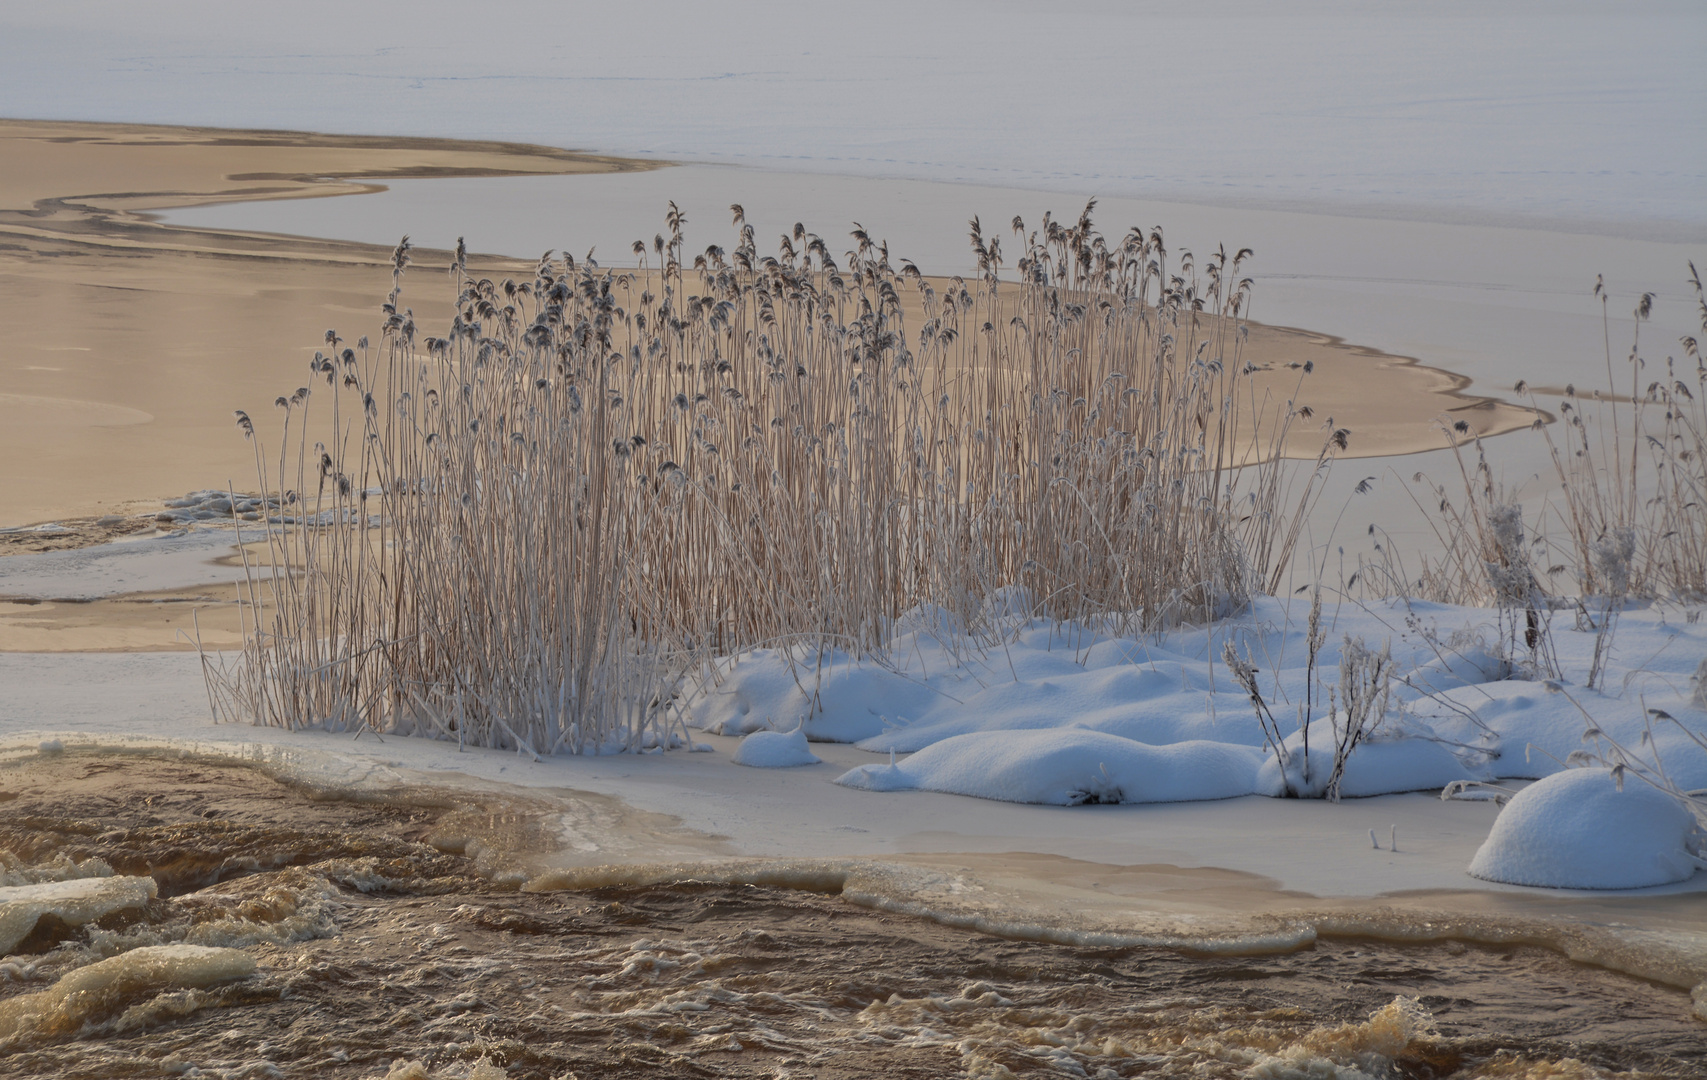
383	936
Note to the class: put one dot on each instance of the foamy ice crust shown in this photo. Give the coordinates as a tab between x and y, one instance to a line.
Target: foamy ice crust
76	901
86	992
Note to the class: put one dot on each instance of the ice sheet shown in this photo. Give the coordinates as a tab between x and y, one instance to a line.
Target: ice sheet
1455	110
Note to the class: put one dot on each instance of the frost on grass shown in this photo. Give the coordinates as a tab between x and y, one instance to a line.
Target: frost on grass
601	481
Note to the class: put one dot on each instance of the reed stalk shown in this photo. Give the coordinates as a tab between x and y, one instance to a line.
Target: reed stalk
528	532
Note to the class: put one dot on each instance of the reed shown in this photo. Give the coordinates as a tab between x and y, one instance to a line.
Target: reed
1627	519
529	532
1633	473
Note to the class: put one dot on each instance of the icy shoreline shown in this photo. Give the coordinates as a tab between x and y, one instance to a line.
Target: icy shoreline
987	871
1244	872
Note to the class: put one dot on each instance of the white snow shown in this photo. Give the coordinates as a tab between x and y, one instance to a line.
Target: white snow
1068	767
1068	714
1581	829
1406	761
775	750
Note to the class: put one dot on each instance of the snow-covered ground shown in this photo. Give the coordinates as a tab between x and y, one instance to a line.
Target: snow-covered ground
951	790
1062	714
1033	712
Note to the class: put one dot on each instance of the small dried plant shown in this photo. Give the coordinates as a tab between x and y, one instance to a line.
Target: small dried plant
1364	691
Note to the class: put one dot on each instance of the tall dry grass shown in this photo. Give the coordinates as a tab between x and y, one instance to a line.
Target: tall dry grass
527	532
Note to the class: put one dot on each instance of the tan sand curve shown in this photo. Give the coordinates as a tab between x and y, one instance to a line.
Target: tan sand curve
108	308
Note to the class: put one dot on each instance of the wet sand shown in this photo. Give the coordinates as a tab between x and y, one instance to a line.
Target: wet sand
381	935
131	342
132	585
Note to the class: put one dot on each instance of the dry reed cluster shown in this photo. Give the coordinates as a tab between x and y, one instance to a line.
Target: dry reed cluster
526	533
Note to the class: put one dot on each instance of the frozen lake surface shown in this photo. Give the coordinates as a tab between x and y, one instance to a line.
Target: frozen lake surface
1449	111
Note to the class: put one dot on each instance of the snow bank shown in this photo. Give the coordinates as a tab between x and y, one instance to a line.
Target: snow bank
1577	830
1067	767
76	902
1164	701
775	750
1457	711
836	699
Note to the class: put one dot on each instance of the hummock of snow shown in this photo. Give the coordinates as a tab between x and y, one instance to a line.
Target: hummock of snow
1068	767
1401	757
1577	830
775	750
1069	714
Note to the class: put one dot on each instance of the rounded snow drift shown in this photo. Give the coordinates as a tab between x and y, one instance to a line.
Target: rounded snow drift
775	750
1577	830
1067	767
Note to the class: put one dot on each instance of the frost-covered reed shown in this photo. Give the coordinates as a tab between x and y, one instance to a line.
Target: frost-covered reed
527	532
1627	518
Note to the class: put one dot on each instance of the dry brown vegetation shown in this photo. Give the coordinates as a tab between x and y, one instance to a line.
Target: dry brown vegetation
527	530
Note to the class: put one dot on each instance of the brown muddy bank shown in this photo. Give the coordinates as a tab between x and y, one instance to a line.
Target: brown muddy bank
378	939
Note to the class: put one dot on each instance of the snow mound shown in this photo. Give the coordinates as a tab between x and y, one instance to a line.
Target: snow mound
840	700
78	901
1469	665
1161	702
775	750
1067	767
1577	830
1385	764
